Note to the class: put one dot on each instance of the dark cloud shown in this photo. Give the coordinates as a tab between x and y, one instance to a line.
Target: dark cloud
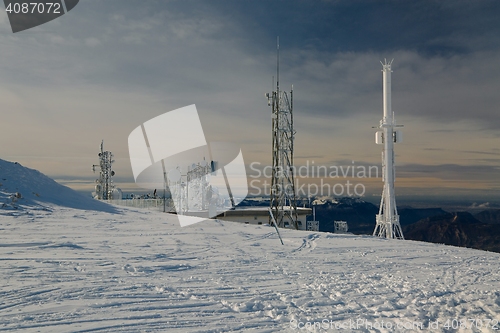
429	27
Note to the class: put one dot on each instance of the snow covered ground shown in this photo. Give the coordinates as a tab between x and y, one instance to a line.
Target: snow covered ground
69	270
109	269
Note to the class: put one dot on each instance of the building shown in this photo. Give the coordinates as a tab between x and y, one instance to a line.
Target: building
260	215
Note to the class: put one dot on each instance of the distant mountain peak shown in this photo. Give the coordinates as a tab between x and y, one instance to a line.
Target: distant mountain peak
458	229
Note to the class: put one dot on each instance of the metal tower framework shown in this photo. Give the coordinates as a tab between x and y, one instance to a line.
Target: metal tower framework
192	191
104	187
283	201
388	219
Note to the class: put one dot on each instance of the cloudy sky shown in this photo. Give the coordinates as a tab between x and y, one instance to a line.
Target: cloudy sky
107	66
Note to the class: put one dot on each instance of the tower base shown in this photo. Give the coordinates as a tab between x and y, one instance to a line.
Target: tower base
388	229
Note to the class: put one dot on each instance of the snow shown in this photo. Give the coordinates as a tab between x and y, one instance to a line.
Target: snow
38	190
86	271
127	270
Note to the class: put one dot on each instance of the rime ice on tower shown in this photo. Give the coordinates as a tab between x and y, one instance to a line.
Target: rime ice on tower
388	219
104	188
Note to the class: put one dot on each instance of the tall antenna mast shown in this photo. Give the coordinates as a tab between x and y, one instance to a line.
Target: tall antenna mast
388	219
278	64
283	200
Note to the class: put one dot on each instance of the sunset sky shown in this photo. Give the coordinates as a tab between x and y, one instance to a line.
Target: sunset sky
108	66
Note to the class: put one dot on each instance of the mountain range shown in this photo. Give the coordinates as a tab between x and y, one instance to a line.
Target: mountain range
459	229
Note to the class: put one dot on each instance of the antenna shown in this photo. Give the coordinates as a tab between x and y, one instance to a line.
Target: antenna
283	200
104	187
278	64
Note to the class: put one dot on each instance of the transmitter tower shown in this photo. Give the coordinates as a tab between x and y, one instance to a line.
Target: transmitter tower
283	201
387	220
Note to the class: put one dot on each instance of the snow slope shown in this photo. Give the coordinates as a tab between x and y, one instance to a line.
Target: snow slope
70	270
38	190
100	268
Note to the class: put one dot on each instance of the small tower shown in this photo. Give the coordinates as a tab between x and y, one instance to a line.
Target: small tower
283	201
388	219
104	188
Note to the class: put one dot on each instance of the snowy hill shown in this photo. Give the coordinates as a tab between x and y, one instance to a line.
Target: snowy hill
22	187
81	271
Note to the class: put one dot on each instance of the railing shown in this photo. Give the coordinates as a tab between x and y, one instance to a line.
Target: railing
153	204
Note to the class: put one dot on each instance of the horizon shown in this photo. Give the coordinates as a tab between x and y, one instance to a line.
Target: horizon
403	202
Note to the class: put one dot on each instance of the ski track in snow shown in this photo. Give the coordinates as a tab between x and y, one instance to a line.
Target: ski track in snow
66	270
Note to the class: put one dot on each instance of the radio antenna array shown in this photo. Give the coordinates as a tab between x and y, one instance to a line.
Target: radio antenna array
104	184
